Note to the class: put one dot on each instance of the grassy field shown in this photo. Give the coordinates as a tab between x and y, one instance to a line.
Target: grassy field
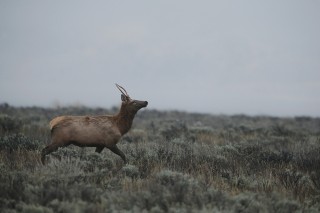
178	162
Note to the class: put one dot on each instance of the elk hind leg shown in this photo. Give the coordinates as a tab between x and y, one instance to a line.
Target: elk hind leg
47	150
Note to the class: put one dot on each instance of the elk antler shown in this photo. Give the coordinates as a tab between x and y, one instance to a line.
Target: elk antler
122	90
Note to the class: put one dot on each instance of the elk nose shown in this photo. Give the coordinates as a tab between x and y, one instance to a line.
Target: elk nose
146	103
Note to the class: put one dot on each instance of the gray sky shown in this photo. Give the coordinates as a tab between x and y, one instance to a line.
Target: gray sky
252	57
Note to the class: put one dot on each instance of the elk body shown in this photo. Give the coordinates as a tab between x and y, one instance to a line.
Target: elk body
94	131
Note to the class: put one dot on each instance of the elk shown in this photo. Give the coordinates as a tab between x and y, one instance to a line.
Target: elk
94	131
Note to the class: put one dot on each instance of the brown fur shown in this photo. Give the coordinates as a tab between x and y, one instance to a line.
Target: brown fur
93	131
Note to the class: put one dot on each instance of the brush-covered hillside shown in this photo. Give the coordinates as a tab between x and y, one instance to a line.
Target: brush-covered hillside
178	162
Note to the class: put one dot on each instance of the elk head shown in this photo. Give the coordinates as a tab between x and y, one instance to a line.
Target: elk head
130	104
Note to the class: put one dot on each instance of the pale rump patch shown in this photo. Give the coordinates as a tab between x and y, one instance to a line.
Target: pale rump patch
56	121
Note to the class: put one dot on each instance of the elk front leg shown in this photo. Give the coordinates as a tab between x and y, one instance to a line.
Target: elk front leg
99	149
117	151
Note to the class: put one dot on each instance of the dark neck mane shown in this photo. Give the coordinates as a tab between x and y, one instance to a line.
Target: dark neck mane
124	119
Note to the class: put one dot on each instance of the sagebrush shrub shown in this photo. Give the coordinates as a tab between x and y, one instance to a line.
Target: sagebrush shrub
179	162
14	142
9	124
131	171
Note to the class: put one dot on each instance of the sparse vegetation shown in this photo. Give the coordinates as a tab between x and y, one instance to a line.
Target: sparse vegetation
178	162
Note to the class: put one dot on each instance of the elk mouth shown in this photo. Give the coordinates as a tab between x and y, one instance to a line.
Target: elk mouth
142	104
145	104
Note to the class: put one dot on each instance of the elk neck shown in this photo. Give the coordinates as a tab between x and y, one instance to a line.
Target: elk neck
124	119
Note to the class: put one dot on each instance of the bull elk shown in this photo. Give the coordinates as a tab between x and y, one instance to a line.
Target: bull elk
94	131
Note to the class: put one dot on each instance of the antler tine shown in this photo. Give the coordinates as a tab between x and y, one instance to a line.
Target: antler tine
122	90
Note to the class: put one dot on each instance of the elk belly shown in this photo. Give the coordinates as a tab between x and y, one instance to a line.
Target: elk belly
90	135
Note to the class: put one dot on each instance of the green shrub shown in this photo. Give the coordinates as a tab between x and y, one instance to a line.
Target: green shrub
13	185
285	206
130	171
94	162
174	129
248	203
183	189
180	162
9	124
15	142
35	209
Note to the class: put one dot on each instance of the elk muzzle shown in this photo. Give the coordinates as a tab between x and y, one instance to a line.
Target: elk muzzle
141	104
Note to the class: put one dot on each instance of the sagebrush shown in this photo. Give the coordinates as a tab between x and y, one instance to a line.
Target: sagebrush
178	162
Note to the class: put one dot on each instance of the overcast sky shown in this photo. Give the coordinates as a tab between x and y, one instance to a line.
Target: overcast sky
252	57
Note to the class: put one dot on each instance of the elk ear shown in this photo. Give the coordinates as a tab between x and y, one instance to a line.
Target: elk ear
123	98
